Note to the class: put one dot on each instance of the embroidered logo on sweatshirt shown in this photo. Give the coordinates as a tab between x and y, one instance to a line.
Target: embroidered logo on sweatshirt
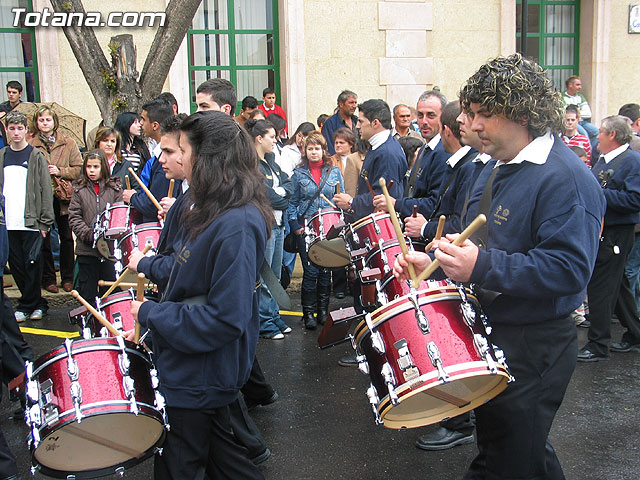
501	215
184	255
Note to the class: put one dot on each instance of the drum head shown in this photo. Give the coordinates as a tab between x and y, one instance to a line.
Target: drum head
329	253
432	402
98	445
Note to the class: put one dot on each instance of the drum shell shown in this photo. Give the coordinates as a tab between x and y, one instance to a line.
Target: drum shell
146	233
368	231
103	400
396	321
117	220
114	304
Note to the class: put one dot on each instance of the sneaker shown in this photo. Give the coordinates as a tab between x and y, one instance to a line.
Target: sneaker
21	316
37	314
287	330
275	336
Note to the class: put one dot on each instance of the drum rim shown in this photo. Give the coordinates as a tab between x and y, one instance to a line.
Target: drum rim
105	302
368	219
143	227
94	346
325	211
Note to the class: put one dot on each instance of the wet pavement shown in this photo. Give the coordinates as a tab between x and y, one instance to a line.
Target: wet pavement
322	426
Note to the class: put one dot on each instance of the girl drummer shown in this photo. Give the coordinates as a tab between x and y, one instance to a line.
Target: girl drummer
205	330
314	176
91	194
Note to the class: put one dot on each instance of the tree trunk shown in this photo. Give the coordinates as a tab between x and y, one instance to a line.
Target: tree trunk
116	87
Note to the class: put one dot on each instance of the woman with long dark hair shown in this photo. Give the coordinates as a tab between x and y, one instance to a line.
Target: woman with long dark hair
133	148
314	172
279	189
205	329
109	141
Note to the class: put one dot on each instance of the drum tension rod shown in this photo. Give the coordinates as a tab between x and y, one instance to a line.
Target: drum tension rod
423	322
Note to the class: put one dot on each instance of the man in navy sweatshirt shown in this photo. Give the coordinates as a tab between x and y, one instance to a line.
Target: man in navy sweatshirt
544	211
618	171
385	159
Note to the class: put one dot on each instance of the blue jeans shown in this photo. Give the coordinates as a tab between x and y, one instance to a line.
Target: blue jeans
632	270
270	321
313	276
288	258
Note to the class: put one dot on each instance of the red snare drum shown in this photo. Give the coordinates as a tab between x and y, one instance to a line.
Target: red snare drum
138	237
368	231
116	308
322	251
93	408
117	219
428	364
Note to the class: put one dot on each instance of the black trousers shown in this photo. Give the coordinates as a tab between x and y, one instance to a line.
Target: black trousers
609	291
339	280
464	423
257	388
244	428
201	445
90	270
14	349
66	250
25	259
512	429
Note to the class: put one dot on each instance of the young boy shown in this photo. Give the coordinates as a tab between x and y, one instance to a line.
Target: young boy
269	106
26	186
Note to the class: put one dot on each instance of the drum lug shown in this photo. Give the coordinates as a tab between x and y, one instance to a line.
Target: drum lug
468	313
75	389
421	318
384	258
376	339
502	360
390	380
405	362
482	346
158	451
119	471
436	360
363	365
376	227
34	469
372	395
383	299
128	384
483	317
117	321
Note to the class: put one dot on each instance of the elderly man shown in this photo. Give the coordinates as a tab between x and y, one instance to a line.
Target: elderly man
618	171
402	123
344	117
531	270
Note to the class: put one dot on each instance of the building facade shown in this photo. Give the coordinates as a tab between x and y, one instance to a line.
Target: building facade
310	50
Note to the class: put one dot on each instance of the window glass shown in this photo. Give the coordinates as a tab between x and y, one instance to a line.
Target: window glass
253	14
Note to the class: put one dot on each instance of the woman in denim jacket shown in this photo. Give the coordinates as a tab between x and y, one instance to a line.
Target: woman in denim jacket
304	204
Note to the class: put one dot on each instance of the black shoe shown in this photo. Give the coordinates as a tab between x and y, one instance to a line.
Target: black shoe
443	439
624	347
339	295
251	404
18	415
348	361
586	355
263	457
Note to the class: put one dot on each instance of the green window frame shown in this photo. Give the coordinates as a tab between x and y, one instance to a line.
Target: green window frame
553	37
27	34
227	57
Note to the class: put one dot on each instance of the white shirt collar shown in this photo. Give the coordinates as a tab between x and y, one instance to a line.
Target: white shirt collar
535	152
482	157
614	153
433	143
453	160
269	109
379	138
157	150
185	185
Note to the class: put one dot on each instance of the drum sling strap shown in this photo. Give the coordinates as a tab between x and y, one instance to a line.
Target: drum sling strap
409	189
605	175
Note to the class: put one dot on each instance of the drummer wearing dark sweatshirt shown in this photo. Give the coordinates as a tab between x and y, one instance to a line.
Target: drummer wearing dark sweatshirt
544	211
205	329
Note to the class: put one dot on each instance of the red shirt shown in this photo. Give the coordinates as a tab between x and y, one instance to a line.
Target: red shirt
276	109
579	141
316	171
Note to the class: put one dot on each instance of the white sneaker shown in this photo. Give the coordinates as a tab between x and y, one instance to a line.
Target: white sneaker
37	314
287	330
277	336
21	317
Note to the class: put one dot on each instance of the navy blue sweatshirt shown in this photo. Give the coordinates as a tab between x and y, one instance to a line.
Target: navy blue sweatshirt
387	161
544	229
158	267
159	186
451	196
622	190
431	169
204	353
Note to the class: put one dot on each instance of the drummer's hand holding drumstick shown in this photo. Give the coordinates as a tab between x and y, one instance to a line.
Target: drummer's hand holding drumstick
380	203
127	194
134	258
413	225
342	200
166	203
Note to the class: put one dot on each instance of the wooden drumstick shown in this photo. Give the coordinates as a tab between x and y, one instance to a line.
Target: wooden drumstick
146	190
108	283
140	298
366	179
399	235
415	211
440	228
328	201
172	184
390	184
121	277
337	189
127	182
96	314
466	233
